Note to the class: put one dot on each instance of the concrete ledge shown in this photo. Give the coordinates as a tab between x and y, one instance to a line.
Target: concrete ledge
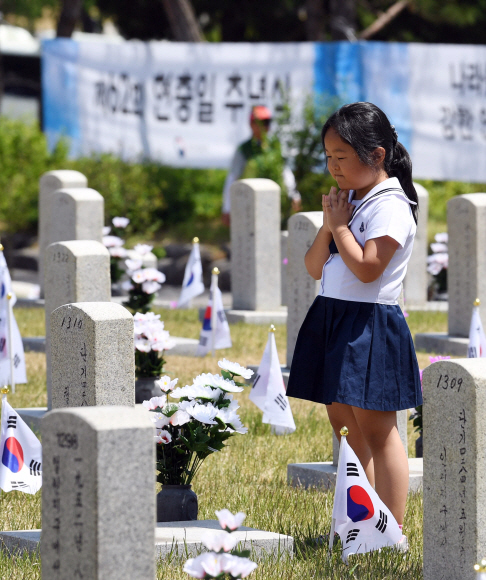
189	535
183	346
441	343
20	541
323	474
174	538
253	316
432	306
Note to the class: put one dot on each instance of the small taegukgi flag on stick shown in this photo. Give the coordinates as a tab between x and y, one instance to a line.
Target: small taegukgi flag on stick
192	285
268	392
21	452
361	519
12	358
477	339
215	332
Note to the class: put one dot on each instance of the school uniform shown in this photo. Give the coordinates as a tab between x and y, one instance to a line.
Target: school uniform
354	346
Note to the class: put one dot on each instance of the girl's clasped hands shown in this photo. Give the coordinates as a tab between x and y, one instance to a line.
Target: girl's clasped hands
337	210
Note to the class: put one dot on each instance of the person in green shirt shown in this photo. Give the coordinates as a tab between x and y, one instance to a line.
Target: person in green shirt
260	121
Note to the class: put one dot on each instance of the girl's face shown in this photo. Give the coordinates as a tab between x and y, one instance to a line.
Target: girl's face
348	170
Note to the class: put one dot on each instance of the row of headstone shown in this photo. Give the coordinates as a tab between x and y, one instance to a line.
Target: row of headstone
259	249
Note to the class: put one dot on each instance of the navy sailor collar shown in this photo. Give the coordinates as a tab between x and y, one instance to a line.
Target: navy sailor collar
390	186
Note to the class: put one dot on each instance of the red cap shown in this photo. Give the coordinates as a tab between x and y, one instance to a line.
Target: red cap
260	113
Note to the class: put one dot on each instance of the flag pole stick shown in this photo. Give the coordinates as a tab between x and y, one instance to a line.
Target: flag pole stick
344	432
10	344
214	314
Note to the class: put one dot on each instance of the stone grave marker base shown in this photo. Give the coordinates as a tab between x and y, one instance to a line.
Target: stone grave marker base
441	343
182	538
323	474
253	316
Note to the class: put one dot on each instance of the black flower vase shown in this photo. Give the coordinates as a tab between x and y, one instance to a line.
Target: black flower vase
145	389
176	503
419	446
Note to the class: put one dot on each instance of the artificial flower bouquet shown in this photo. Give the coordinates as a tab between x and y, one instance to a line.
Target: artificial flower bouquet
204	417
143	282
114	243
223	561
151	340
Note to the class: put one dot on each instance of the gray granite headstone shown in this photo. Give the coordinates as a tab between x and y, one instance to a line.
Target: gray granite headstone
301	286
75	271
284	240
92	355
48	184
454	468
255	244
415	283
76	214
98	497
466	275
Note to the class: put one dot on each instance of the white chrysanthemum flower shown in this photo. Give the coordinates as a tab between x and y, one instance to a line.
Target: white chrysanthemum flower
235	368
112	241
229	416
149	316
105	231
205	379
133	265
163	345
120	222
218	541
143	345
197	392
160	420
117	252
143	249
442	237
179	418
236	566
162	436
138	276
226	385
155	402
185	405
127	285
166	384
203	413
439	248
151	287
206	563
236	425
229	521
154	275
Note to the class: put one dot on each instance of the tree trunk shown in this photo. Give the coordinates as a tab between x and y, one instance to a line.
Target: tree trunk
343	19
315	18
70	15
384	19
182	20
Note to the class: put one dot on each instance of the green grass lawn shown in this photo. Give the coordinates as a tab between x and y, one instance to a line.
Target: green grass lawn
250	475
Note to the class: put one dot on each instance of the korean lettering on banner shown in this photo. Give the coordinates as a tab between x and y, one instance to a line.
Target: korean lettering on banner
466	119
202	98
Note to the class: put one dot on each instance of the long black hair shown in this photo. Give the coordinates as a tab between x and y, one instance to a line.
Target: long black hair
365	127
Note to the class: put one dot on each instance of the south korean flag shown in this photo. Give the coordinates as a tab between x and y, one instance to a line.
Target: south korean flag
215	332
268	392
21	453
14	351
361	519
477	340
192	285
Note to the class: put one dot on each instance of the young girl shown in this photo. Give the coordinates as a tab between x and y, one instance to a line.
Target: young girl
354	352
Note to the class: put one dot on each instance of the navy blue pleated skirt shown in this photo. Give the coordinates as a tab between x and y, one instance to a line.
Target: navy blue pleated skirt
356	353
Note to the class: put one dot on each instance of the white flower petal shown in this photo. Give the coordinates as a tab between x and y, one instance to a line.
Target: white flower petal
120	222
143	249
228	520
220	541
112	241
235	368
